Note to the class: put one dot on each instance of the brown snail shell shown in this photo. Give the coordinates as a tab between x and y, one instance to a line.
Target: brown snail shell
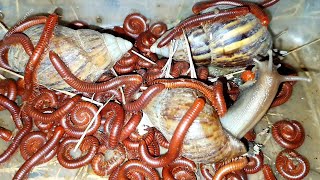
225	44
86	52
206	141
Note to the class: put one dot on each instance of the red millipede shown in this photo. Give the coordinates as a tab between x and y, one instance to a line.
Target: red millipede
45	99
253	8
267	172
56	115
181	168
202	73
232	166
30	71
196	20
79	118
255	163
154	148
284	95
27	126
152	74
8	88
268	3
25	24
233	90
292	165
179	69
143	64
288	134
205	171
5	134
133	144
103	165
130	126
176	141
44	127
35	158
219	103
128	59
158	29
206	90
102	137
121	69
163	142
178	172
89	147
137	166
32	142
237	175
145	98
250	135
17	38
14	110
145	41
136	176
134	24
114	123
130	144
129	80
105	96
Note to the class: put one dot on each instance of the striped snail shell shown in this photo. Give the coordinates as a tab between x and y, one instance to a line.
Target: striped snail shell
86	52
206	140
226	44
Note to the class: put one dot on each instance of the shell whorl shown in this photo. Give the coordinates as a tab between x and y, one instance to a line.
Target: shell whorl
86	52
206	141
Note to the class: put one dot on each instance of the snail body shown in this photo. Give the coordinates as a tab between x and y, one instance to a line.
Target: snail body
86	52
206	141
255	100
224	43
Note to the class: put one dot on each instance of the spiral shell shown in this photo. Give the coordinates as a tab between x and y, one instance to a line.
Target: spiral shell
225	44
206	141
86	52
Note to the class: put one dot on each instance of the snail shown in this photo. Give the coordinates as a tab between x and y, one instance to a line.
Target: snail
86	52
223	43
206	140
255	99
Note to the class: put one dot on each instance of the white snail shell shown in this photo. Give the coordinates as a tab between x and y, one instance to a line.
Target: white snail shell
206	140
224	44
86	52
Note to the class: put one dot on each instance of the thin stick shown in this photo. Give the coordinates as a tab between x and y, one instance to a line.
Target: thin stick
83	98
192	69
62	91
281	33
90	124
228	76
17	8
143	57
2	77
298	48
11	72
167	67
3	27
74	12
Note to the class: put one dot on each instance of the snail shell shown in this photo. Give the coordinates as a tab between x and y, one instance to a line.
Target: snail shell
225	44
206	141
86	52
